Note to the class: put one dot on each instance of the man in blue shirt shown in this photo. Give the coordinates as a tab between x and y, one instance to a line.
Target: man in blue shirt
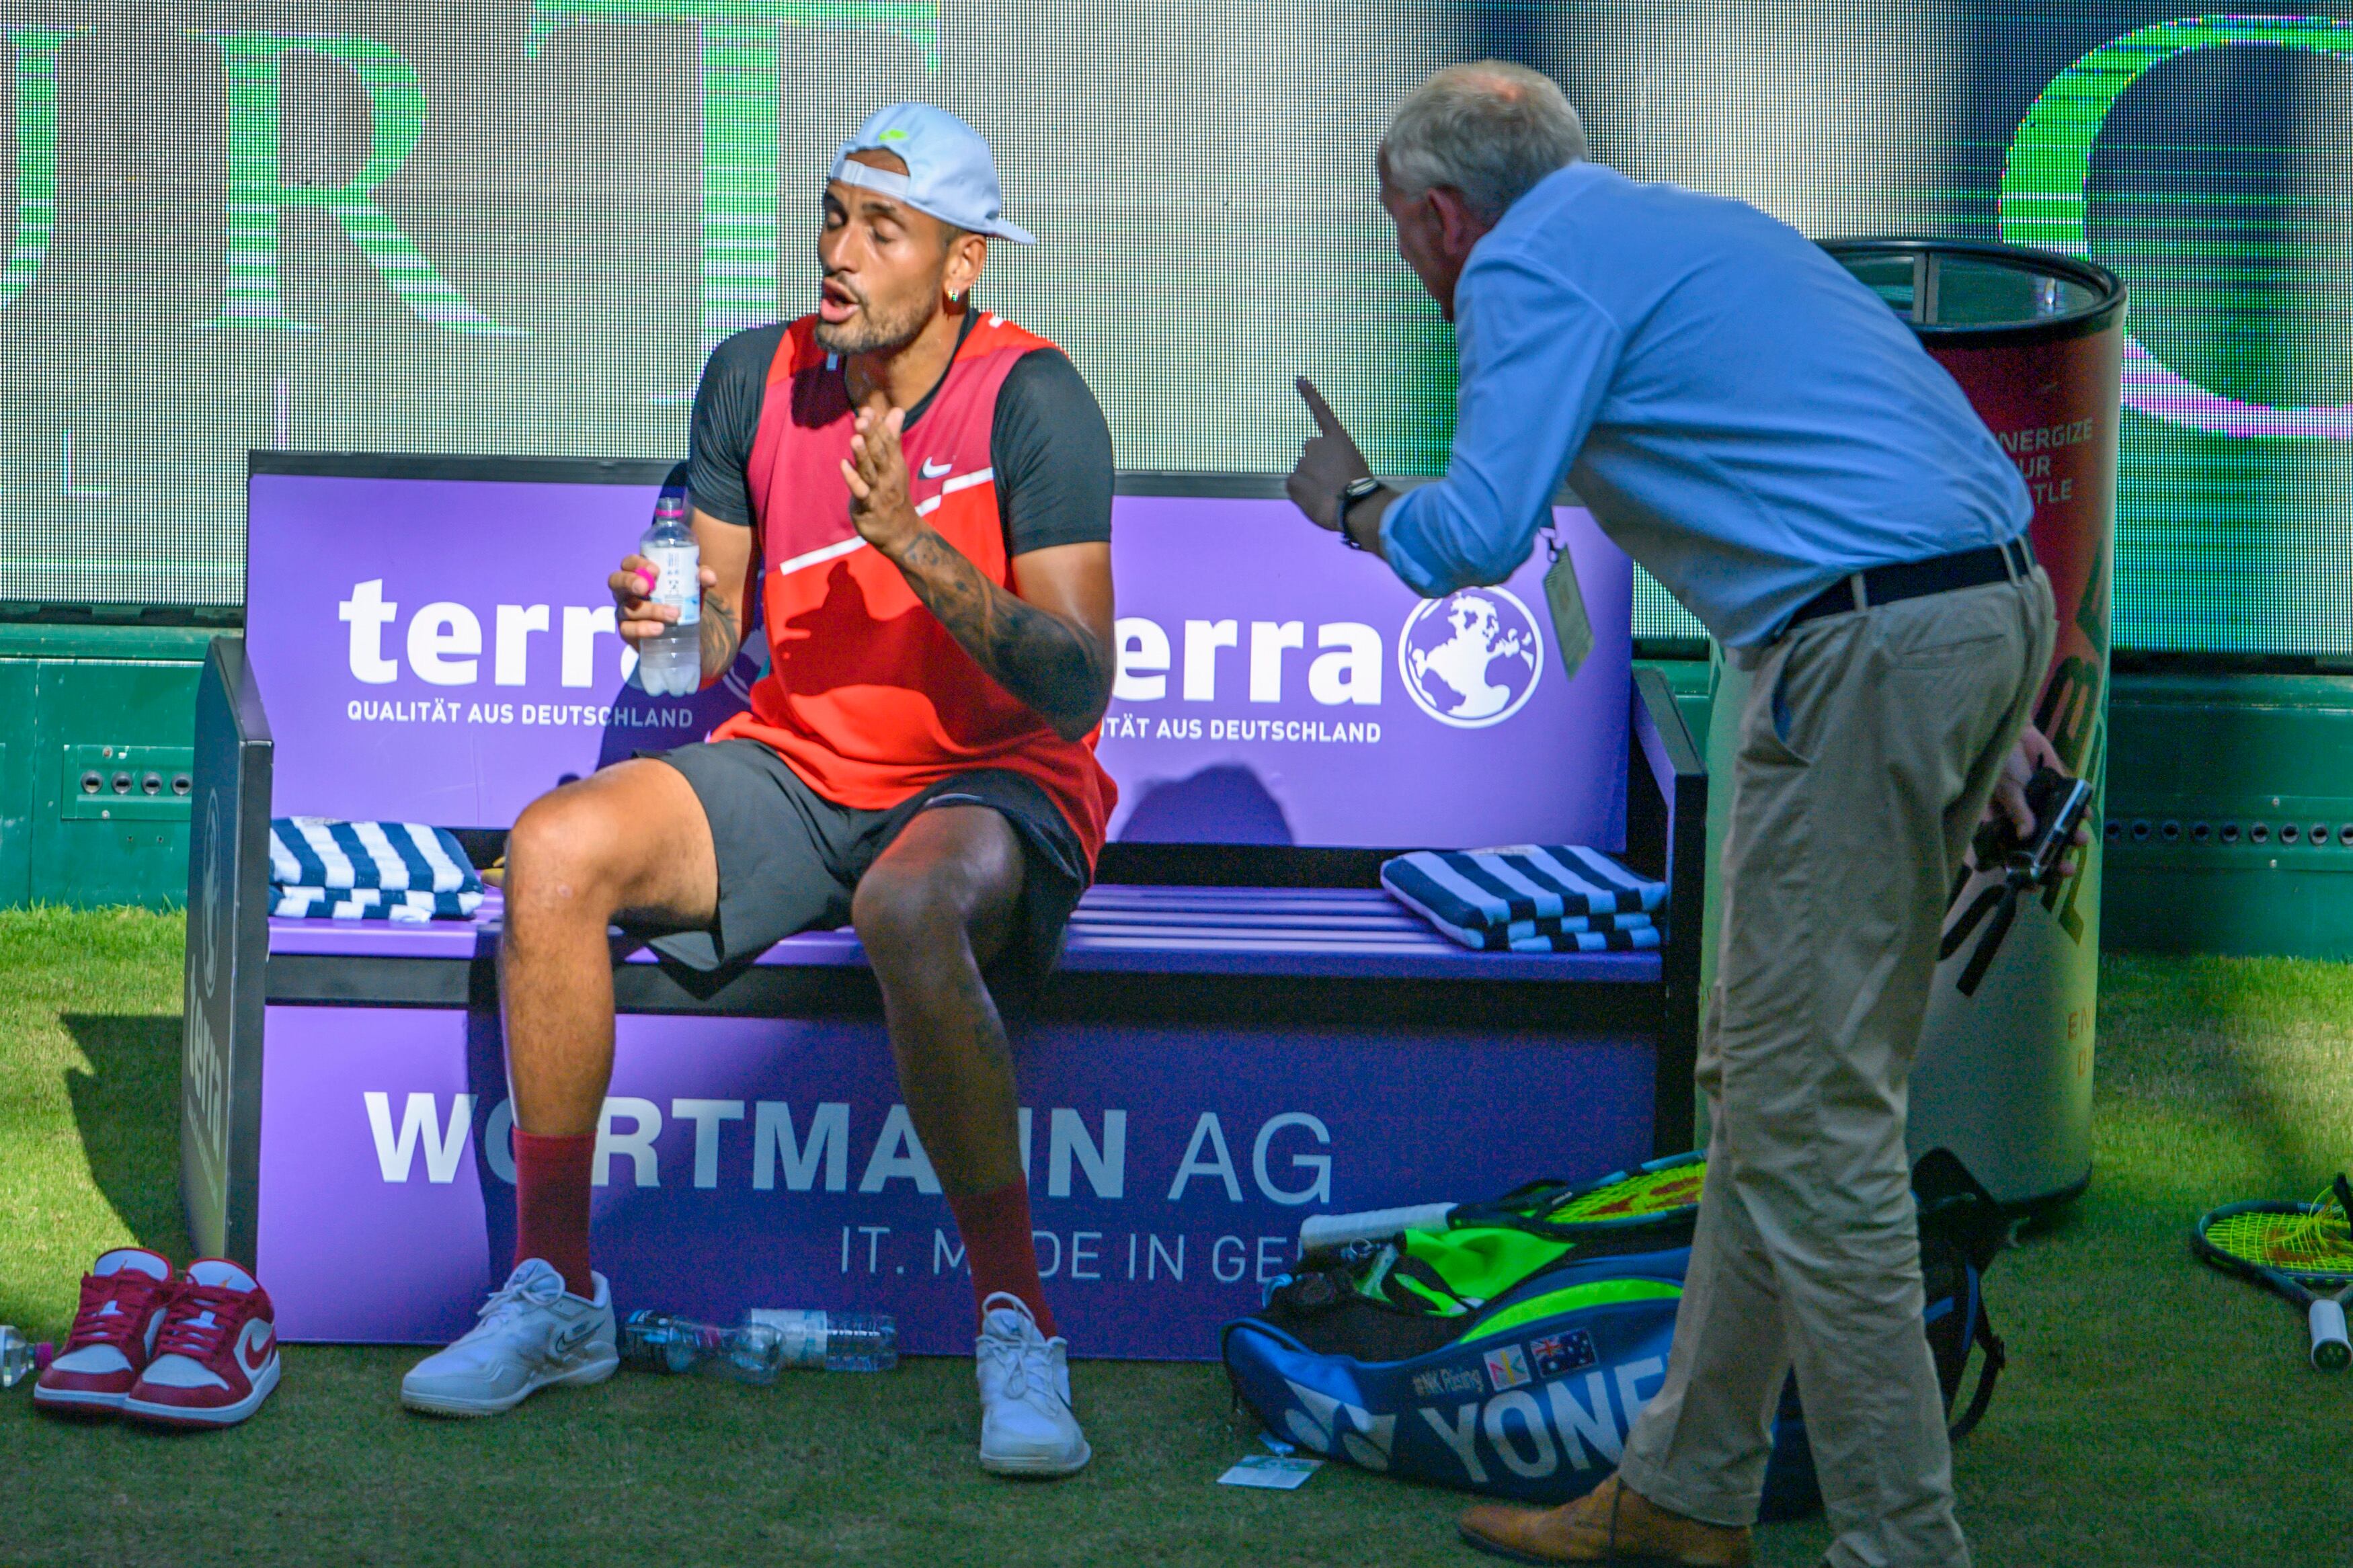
1759	431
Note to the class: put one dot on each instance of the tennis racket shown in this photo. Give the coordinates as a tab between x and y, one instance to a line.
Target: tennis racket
2301	1251
1663	1192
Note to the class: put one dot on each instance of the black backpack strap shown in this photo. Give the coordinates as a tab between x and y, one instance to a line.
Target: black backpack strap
1996	1356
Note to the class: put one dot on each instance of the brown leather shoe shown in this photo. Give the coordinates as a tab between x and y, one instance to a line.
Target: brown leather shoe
1612	1524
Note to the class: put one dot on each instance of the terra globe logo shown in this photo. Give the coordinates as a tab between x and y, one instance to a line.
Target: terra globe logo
1472	658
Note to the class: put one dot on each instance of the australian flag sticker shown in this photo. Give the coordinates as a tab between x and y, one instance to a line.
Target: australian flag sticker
1557	1353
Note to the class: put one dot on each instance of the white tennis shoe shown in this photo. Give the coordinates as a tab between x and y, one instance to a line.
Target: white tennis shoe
533	1335
1025	1424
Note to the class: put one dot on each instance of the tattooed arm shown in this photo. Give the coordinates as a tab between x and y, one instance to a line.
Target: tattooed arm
726	550
1048	643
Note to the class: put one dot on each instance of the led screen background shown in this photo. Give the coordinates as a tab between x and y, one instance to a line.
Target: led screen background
517	226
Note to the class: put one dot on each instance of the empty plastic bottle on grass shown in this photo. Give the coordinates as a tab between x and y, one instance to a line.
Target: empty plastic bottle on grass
764	1344
19	1358
671	664
663	1341
837	1341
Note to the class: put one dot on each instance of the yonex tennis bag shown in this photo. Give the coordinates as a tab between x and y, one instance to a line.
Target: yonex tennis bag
1531	1398
1509	1355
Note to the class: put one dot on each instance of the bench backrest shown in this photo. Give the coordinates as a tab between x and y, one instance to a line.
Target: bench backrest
434	642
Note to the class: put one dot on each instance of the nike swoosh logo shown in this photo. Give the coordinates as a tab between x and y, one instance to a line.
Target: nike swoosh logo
564	1343
936	471
253	1345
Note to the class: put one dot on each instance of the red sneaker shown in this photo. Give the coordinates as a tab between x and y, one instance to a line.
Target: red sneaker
217	1359
123	1297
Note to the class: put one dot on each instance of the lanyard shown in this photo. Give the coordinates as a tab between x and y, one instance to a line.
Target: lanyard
1572	629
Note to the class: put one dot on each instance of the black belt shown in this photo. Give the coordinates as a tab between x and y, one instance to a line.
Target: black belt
1917	579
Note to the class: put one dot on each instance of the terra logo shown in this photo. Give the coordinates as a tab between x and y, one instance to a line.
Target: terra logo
1472	658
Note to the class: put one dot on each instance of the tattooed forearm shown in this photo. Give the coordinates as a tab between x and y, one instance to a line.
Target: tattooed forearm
722	633
1057	668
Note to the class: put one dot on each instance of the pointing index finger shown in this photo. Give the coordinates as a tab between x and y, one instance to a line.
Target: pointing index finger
1325	420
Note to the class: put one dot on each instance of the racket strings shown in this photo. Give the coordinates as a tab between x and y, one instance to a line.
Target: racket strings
1640	1196
2314	1240
2324	1230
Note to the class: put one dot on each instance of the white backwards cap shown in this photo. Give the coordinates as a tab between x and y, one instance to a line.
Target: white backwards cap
950	173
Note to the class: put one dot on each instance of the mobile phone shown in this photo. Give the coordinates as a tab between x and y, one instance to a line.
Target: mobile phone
2060	804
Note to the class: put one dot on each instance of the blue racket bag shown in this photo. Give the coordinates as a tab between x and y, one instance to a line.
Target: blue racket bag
1533	1401
1530	1394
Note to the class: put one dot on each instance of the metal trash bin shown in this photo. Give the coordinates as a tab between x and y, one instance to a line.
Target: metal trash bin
2036	339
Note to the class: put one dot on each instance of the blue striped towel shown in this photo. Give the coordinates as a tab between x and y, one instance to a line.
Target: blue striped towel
320	852
1528	897
1589	933
372	904
1627	940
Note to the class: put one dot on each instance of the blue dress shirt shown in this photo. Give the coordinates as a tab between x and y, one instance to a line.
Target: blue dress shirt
1744	417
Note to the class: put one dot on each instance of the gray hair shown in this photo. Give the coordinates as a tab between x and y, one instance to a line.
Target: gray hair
1490	129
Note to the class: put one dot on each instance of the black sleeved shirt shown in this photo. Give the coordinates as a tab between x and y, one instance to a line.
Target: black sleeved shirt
1049	443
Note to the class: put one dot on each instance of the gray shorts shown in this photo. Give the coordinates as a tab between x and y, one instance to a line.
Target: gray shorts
790	860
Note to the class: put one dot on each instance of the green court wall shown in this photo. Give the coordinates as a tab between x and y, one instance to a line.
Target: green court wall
2216	784
115	702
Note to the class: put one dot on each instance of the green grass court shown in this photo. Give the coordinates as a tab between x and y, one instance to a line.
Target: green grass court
2155	1414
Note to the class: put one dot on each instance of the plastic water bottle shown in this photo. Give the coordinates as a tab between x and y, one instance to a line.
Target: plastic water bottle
663	1341
19	1358
837	1341
671	664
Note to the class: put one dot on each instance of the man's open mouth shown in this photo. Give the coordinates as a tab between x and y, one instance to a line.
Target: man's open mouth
836	303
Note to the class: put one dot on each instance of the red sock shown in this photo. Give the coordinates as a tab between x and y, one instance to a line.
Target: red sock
995	1230
551	1205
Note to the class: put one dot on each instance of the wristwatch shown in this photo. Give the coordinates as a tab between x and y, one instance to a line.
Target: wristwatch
1357	490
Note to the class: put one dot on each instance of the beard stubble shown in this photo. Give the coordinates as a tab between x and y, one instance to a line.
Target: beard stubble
872	330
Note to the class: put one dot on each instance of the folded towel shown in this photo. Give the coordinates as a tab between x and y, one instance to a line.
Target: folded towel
1612	932
1527	936
1528	897
372	904
1518	882
320	852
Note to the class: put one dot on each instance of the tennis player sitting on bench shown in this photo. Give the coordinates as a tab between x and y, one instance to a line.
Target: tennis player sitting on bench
930	491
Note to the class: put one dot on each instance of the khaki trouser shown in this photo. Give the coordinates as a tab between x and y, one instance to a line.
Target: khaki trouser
1869	746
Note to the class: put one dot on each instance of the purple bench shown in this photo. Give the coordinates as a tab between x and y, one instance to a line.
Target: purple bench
1208	1063
1355	933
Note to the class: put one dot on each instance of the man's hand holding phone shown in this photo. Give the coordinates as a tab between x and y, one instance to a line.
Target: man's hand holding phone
2011	802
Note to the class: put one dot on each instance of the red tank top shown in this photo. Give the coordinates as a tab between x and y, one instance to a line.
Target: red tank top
867	698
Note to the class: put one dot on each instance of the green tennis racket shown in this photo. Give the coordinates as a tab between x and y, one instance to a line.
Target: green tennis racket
2300	1251
1660	1192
